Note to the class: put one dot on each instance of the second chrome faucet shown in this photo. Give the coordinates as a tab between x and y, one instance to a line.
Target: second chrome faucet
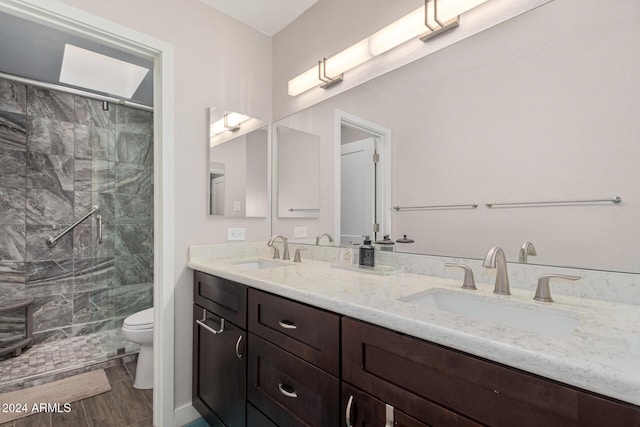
496	259
285	253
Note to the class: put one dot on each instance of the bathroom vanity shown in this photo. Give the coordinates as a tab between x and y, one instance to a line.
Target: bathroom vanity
318	346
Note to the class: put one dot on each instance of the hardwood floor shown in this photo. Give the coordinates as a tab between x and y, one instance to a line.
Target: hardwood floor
123	406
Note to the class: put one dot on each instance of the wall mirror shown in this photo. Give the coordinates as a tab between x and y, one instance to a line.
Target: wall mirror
238	165
298	172
544	133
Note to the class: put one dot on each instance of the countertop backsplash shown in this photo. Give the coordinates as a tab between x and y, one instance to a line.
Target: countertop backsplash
609	286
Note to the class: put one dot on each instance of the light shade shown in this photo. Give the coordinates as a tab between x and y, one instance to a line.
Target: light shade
92	70
229	121
404	29
401	31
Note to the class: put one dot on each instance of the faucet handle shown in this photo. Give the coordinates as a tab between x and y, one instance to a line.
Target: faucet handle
468	282
543	293
296	257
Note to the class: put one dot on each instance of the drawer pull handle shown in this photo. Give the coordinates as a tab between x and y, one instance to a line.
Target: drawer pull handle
347	414
287	324
238	354
209	328
284	389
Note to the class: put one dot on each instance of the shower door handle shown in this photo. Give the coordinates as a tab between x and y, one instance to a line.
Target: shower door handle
99	220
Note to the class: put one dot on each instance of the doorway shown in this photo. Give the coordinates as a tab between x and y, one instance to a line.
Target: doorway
362	179
65	18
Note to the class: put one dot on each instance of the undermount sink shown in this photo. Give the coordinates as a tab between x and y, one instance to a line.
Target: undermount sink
544	321
259	264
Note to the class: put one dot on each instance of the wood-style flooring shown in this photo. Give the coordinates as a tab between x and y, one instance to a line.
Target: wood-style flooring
123	406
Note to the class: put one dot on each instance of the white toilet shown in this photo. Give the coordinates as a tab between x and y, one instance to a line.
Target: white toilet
138	328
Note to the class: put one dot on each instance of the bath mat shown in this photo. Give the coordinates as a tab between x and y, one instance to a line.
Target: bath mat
53	397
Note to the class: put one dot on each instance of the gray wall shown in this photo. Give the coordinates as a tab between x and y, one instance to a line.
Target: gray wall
59	155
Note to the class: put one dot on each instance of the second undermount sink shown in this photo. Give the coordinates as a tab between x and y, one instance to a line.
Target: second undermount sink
259	264
514	314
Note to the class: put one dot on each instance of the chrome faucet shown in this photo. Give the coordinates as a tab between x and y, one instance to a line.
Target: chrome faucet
329	236
496	259
285	254
526	249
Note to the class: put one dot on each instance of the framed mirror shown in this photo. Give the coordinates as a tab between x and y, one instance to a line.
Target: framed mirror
238	165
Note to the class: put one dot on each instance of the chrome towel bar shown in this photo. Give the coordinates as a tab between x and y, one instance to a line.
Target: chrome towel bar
418	208
614	200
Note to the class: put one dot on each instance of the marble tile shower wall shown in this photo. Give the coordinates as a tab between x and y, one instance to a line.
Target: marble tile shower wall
61	154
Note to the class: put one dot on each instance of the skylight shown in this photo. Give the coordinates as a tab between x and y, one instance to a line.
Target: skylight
91	70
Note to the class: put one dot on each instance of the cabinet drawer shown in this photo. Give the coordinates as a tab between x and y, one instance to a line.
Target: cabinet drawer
223	297
310	333
422	379
288	390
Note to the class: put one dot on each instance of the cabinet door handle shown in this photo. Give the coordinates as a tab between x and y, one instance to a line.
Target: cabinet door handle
284	389
389	416
347	414
238	354
287	324
209	328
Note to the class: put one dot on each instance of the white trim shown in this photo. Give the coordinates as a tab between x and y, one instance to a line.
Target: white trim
185	414
69	19
342	117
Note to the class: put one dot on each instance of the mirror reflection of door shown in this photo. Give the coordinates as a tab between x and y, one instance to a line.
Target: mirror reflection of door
363	179
358	189
216	188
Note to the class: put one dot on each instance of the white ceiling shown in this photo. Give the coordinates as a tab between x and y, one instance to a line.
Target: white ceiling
266	16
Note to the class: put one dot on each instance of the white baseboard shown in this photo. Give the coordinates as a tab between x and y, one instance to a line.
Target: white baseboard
184	415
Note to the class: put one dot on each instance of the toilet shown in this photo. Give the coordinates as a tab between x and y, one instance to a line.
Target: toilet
138	328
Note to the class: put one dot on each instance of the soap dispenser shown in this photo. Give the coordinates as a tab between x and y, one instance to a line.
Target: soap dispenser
367	253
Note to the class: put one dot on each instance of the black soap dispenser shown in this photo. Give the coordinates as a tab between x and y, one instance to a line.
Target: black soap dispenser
367	253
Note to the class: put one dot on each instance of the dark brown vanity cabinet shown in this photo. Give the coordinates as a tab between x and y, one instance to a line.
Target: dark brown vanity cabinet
444	387
363	410
294	360
260	360
219	350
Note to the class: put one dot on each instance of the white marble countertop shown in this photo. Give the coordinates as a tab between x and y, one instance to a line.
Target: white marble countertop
601	355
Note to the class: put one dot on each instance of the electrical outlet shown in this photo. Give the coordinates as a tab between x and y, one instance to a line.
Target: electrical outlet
236	233
299	231
236	206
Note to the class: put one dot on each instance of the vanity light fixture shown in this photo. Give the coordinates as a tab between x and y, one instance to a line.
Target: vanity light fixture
229	122
426	22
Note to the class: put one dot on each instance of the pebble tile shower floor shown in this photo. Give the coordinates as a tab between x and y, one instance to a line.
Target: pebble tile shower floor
52	360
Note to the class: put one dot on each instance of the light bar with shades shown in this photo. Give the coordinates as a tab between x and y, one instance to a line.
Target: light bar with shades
426	22
229	122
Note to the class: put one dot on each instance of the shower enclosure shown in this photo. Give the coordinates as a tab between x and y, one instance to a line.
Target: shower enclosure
61	155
